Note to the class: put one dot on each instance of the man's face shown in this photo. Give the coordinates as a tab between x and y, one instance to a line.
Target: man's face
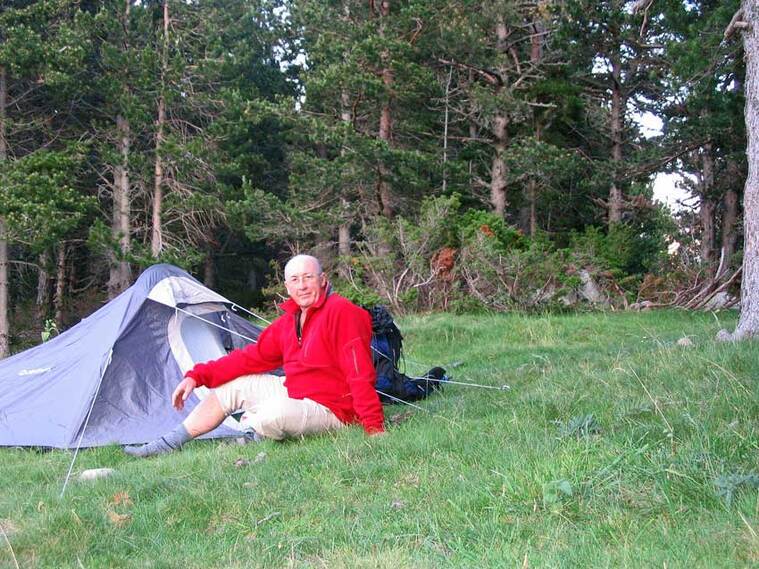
304	284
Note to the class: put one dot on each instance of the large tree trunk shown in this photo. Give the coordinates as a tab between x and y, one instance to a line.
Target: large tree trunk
60	286
616	199
344	230
706	213
730	214
121	227
4	326
708	205
498	169
43	287
748	324
120	272
209	270
156	237
384	189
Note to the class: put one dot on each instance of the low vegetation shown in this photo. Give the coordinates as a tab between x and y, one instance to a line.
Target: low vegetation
616	445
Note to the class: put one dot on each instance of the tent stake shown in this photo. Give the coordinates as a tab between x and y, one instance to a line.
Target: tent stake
234	305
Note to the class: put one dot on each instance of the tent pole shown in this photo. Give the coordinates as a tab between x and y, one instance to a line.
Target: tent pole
216	325
86	421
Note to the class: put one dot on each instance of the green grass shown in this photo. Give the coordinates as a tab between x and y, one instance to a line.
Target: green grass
477	479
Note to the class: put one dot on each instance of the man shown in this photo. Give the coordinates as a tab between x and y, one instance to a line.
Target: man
323	343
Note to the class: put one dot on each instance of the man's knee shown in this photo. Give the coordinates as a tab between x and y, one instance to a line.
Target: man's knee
276	419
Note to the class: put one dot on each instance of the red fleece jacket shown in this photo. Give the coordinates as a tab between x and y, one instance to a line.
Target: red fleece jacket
331	364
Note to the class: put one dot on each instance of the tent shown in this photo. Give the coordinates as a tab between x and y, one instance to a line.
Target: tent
109	379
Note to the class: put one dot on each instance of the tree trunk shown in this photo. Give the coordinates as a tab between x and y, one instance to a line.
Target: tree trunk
384	190
4	326
121	227
532	194
498	169
60	286
706	213
344	231
446	119
43	287
730	214
344	240
209	270
748	324
156	238
119	278
616	199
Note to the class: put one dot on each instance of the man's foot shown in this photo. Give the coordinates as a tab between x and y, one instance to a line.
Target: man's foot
169	442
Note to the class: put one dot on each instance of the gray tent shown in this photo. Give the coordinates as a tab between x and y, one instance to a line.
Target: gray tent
109	378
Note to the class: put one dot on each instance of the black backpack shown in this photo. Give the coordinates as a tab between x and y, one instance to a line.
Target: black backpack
387	349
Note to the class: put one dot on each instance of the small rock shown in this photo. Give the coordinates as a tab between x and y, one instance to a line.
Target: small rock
95	473
685	342
400	417
398	504
260	457
241	462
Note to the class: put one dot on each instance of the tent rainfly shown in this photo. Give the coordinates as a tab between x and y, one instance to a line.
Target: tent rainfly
109	379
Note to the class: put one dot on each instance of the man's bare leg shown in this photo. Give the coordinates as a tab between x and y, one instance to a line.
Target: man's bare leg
206	416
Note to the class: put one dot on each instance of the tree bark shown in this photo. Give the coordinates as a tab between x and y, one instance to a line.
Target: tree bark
4	325
121	227
120	272
209	270
616	198
730	211
384	190
498	169
60	286
748	324
43	287
344	230
156	238
708	205
706	213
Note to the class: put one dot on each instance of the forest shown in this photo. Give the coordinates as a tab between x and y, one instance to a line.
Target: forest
437	155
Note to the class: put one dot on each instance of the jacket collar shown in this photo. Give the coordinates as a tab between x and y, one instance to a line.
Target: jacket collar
291	307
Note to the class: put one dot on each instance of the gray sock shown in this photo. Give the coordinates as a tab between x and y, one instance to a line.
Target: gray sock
172	440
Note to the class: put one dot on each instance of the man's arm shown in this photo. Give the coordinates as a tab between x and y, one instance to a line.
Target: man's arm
264	355
354	341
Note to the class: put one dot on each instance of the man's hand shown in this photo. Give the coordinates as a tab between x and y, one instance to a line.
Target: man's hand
182	392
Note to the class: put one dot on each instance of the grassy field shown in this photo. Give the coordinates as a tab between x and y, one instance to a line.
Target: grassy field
614	447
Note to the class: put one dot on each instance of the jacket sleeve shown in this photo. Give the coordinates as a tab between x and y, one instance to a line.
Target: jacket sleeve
264	355
354	333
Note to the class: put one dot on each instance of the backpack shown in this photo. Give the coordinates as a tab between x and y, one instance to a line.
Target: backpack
387	349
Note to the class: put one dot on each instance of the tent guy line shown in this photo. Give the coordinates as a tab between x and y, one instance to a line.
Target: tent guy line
451	421
375	350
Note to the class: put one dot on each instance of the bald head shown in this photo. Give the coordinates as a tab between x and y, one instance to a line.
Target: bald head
302	264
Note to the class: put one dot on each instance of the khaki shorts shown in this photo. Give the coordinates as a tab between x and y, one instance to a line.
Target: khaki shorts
270	411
